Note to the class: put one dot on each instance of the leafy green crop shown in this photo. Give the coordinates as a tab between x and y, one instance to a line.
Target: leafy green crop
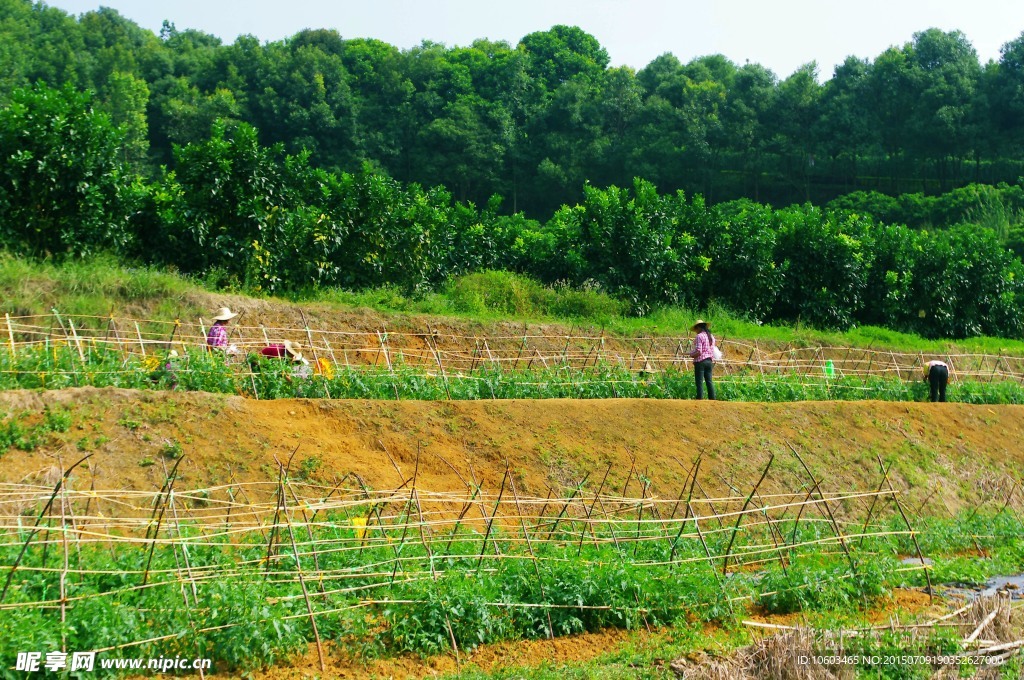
246	612
61	365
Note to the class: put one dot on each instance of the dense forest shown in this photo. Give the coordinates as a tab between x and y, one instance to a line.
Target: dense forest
321	162
532	122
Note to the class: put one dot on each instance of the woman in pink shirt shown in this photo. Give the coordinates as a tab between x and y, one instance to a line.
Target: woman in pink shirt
703	357
217	336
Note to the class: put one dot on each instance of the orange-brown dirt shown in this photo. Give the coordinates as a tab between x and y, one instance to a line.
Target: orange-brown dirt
525	653
951	454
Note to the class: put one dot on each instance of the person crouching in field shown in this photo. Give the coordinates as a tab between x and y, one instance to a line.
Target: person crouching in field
217	336
291	351
703	358
937	374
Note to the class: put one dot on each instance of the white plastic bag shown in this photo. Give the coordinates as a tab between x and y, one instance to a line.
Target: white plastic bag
716	353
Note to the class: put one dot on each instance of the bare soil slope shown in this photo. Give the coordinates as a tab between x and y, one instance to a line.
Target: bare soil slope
961	452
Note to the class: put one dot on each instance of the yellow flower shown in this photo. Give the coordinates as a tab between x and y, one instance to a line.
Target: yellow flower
323	367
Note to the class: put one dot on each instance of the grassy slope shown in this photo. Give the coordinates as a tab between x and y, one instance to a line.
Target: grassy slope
101	286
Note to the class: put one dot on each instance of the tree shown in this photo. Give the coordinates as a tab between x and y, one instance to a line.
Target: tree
945	74
749	99
223	206
822	260
795	110
1008	95
62	188
563	53
127	97
844	127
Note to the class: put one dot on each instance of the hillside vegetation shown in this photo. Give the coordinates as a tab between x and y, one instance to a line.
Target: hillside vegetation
486	304
533	121
243	215
503	174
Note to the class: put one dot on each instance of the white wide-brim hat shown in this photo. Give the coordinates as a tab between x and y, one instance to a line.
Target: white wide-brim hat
224	314
293	349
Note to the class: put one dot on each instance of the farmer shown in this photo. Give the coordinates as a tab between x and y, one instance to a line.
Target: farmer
217	337
937	374
289	350
703	357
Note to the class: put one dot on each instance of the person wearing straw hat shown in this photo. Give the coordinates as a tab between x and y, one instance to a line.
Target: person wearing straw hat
281	350
217	337
703	357
936	373
291	351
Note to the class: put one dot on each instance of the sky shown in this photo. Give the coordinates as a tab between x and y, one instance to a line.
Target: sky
781	35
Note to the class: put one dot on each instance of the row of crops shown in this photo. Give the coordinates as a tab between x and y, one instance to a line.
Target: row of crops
249	574
57	366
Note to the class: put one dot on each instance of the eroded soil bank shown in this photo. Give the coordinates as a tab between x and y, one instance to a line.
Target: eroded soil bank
951	455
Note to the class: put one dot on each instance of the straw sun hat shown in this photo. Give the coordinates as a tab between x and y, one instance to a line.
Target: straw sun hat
699	323
293	349
224	314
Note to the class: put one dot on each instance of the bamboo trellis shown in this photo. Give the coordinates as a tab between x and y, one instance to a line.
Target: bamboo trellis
450	354
351	544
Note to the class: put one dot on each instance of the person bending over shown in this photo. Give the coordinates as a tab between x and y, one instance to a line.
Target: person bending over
937	374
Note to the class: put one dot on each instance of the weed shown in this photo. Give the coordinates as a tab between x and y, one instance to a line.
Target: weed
129	423
309	467
171	449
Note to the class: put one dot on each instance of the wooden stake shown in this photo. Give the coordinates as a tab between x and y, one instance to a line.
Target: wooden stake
142	345
35	528
298	564
739	517
10	334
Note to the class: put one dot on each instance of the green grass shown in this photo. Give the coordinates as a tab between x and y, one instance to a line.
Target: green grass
96	286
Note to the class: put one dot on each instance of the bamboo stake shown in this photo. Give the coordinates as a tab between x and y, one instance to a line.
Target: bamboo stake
490	522
565	507
312	348
142	345
529	545
682	525
739	517
437	358
981	626
913	534
640	514
828	509
282	477
521	348
64	571
278	508
772	528
387	358
162	506
589	513
10	334
35	528
874	500
686	481
78	343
